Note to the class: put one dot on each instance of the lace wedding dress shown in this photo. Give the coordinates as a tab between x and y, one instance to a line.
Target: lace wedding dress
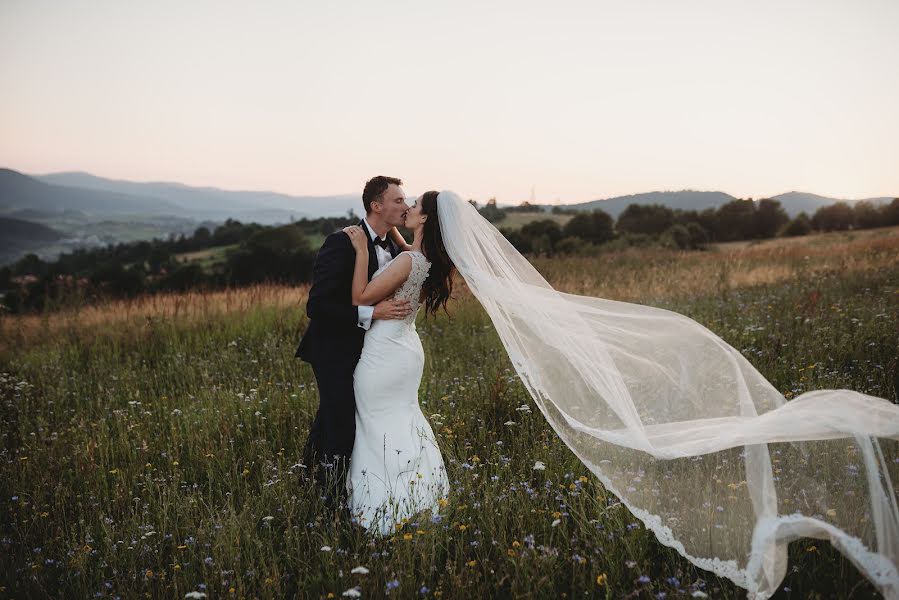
396	469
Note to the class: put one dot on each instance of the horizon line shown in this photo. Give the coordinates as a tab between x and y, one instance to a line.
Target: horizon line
538	203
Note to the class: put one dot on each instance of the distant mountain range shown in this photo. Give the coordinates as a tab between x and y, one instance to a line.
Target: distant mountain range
208	202
17	237
793	202
90	197
58	212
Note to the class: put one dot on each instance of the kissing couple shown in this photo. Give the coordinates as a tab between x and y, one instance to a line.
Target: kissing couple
673	420
379	458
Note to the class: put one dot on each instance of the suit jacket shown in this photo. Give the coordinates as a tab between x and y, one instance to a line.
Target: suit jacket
333	333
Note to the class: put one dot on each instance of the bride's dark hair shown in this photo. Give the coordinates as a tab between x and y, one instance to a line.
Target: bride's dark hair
439	284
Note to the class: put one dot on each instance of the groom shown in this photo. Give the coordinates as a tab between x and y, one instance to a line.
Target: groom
333	340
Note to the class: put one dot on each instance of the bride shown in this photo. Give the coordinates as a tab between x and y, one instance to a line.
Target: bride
396	469
674	421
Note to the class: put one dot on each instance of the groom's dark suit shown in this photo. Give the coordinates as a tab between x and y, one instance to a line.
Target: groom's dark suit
332	345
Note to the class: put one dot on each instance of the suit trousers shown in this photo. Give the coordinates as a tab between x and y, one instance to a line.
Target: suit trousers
330	442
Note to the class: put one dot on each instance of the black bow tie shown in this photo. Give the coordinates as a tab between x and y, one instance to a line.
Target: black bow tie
383	243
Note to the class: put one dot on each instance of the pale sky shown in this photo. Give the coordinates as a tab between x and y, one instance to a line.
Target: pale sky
579	100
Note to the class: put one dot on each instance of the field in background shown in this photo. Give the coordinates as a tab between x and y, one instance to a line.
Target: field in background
517	220
153	446
206	258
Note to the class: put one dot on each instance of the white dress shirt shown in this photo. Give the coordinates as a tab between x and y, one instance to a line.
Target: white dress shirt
383	256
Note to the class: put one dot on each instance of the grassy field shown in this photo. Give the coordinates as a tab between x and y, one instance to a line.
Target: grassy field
151	448
206	258
517	220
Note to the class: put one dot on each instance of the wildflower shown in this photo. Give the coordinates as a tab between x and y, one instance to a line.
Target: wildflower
556	522
392	585
424	590
602	579
539	466
359	571
643	579
354	592
195	595
326	548
472	563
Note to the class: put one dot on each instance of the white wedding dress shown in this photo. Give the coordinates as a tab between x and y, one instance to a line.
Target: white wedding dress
396	470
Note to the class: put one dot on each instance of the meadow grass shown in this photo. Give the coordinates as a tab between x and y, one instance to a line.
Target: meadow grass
517	220
152	447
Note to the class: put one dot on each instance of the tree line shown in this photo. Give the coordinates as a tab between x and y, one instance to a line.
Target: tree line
257	254
648	224
284	254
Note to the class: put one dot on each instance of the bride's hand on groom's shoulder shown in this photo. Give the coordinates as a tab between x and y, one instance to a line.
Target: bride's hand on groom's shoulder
357	237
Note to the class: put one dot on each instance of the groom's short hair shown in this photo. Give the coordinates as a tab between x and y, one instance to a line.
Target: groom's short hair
375	188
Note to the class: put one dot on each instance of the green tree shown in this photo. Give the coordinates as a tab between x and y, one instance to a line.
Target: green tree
736	220
800	225
838	216
492	212
770	217
891	213
867	215
650	219
543	235
596	227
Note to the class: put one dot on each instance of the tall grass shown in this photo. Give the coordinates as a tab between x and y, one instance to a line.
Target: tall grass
152	448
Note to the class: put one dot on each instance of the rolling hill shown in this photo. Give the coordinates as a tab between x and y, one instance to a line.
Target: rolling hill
18	237
214	203
793	202
21	192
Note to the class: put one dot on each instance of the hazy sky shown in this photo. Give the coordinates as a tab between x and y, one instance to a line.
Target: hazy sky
581	100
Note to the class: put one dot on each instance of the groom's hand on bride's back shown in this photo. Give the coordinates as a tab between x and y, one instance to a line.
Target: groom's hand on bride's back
391	309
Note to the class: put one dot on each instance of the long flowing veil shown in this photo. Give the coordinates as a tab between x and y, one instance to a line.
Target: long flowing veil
684	430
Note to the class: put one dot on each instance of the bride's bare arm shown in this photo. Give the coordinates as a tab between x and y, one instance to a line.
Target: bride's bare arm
399	240
367	293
